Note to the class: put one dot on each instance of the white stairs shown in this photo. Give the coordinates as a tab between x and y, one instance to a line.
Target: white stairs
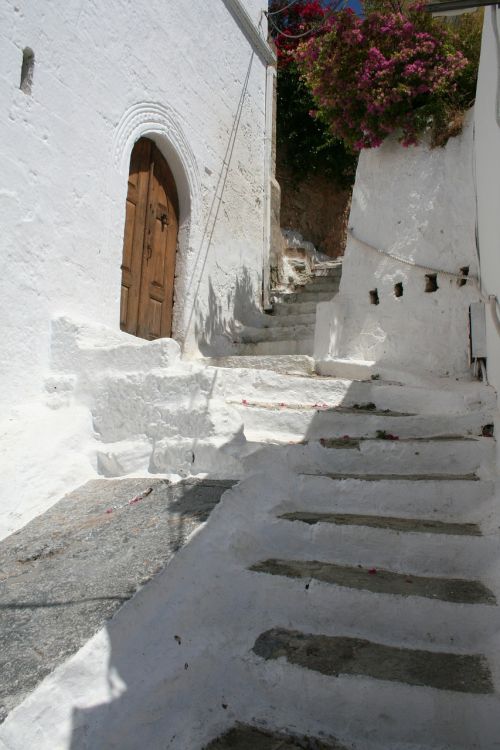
289	328
344	595
366	544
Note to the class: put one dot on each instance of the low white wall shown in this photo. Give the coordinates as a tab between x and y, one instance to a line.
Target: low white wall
183	73
419	204
487	154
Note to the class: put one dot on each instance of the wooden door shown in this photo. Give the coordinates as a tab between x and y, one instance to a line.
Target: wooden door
149	246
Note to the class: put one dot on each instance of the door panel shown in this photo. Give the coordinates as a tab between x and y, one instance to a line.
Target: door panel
150	244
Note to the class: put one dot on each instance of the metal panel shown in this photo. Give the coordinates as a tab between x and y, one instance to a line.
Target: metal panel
478	330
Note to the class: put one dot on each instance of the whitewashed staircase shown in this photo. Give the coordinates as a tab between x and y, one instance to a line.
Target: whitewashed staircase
289	328
366	542
345	592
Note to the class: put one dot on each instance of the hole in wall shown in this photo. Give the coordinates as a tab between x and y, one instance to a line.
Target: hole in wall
465	272
27	69
374	300
431	284
398	289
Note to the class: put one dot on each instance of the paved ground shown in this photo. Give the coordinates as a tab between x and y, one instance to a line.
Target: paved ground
249	738
70	569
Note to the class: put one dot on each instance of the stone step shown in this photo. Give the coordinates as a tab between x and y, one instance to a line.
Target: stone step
337	655
244	737
251	335
379	548
319	285
334	274
286	346
277	365
327	270
304	296
214	457
273	389
295	308
271	321
371	605
313	424
395	523
82	346
447	501
385	457
368	713
380	581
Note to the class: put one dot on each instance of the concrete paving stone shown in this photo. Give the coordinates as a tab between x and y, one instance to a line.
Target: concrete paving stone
69	570
379	581
335	655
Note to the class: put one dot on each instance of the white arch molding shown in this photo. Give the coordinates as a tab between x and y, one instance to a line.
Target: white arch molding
160	123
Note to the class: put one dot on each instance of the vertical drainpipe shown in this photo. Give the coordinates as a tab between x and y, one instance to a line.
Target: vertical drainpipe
268	176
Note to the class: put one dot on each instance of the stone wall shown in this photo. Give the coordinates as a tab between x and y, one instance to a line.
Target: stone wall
314	207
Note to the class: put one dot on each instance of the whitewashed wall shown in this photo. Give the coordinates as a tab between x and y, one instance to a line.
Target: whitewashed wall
487	153
417	203
105	74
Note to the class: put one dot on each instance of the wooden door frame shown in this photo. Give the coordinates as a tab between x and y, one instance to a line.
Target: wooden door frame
161	124
148	291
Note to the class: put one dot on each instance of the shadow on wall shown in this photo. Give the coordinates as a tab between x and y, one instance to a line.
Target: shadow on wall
217	326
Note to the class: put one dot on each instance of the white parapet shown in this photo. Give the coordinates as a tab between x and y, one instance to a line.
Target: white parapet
417	204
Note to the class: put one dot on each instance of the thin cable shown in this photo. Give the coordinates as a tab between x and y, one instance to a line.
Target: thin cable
460	277
295	36
281	10
313	30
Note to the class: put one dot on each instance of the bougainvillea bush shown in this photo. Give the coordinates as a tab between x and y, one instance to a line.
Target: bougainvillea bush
306	144
389	72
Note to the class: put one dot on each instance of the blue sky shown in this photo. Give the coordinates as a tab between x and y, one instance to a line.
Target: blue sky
355	5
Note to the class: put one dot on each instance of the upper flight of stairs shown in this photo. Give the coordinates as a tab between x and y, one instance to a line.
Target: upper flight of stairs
289	328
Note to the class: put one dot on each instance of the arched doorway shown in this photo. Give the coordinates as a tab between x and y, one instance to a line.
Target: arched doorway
149	245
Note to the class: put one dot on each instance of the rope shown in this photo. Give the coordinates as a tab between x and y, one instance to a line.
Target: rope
441	271
324	22
488	299
281	10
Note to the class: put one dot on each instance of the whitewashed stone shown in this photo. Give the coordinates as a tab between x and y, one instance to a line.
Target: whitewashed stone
185	75
419	204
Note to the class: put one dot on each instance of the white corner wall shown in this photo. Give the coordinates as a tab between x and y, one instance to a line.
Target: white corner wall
419	204
487	155
183	73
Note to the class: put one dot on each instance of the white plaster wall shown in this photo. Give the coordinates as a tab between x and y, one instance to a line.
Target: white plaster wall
418	204
105	74
487	155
